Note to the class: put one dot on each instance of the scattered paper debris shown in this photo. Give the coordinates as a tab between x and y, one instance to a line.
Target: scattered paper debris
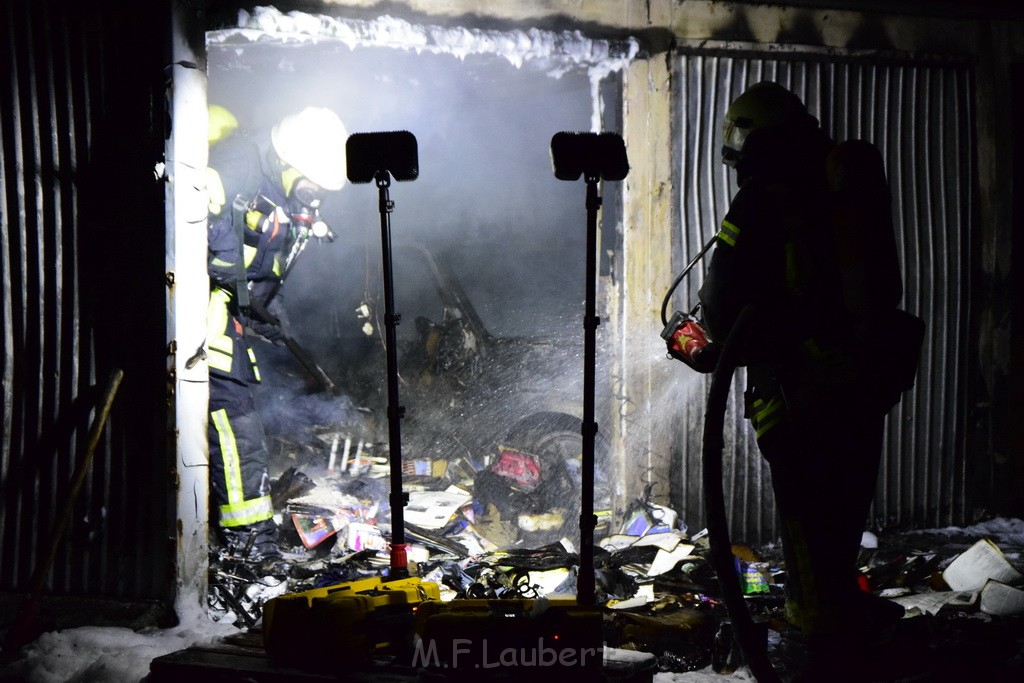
365	537
665	560
433	509
982	562
931	603
1001	600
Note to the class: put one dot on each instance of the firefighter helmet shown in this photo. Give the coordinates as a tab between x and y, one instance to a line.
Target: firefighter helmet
762	105
313	143
222	124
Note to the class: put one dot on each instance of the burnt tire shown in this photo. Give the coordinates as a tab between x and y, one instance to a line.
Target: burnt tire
557	440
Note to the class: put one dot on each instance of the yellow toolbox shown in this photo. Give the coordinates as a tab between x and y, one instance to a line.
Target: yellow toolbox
346	624
546	639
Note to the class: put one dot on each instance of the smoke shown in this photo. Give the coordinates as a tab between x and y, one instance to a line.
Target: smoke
483	106
293	407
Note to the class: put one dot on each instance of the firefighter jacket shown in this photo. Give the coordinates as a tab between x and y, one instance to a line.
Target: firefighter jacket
249	229
775	254
229	355
253	211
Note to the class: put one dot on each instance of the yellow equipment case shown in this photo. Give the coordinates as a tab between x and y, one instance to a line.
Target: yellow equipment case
543	639
356	620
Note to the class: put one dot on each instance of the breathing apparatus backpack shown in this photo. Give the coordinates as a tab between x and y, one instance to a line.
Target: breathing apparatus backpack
236	160
886	339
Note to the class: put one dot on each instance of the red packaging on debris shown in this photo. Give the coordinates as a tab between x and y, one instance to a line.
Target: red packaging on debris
312	529
521	468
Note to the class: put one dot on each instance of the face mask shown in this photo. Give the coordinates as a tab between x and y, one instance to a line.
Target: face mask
304	202
302	210
306	193
304	207
734	135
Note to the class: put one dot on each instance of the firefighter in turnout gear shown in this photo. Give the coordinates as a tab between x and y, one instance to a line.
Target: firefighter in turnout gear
817	416
261	203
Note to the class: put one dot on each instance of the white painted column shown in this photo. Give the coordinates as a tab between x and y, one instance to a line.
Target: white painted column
187	297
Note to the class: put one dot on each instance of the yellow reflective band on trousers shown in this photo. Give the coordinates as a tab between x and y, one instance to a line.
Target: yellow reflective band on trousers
237	511
255	368
222	263
767	415
219	345
729	233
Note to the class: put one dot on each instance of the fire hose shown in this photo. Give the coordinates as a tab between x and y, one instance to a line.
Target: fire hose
679	278
722	559
687	339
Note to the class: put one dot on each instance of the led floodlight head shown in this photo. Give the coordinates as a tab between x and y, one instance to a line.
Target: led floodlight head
592	155
368	154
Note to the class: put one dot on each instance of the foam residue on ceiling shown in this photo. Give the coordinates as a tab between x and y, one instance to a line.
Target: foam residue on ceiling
556	52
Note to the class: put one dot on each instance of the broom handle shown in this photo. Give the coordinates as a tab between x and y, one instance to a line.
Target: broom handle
39	578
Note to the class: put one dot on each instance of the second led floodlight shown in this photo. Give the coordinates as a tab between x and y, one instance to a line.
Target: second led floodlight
592	155
595	156
394	153
376	158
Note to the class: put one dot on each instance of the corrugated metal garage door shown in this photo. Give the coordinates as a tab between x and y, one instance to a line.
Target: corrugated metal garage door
920	116
81	260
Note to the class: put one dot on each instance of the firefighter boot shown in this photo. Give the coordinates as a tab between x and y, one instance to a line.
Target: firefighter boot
256	544
266	553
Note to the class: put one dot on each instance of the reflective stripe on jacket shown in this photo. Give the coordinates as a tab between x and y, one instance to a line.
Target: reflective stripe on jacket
766	414
229	355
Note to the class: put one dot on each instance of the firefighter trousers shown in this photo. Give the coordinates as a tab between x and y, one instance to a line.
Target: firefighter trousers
824	467
239	476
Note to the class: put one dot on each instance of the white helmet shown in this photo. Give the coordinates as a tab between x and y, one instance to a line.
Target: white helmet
313	143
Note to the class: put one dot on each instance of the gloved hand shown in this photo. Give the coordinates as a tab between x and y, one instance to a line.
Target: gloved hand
269	321
272	332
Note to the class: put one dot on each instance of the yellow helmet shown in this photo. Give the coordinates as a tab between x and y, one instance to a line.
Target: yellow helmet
313	143
222	123
762	105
